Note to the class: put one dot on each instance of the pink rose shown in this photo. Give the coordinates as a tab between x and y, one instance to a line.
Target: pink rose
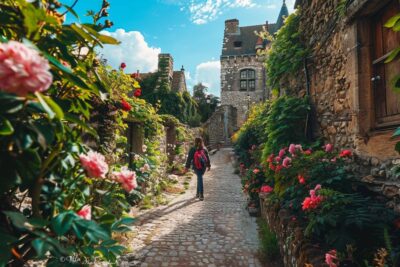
126	178
286	162
299	147
330	258
256	171
328	148
94	164
266	189
23	70
281	153
85	212
145	168
292	149
278	159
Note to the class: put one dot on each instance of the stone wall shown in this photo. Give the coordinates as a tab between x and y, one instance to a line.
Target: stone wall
295	249
221	126
230	83
339	71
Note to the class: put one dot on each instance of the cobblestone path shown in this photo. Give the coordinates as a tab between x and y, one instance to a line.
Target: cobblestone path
215	232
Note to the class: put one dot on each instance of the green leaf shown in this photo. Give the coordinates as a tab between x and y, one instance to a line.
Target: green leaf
396	133
3	39
397	147
393	54
57	63
40	246
62	223
55	107
5	127
108	40
72	118
17	219
45	106
392	21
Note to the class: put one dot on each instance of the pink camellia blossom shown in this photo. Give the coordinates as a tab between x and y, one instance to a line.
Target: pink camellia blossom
281	153
94	164
317	187
270	158
266	189
23	70
256	171
126	178
144	148
85	212
278	159
328	148
308	152
331	258
292	149
286	162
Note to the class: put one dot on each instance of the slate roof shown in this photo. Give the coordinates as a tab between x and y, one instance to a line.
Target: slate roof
248	40
282	15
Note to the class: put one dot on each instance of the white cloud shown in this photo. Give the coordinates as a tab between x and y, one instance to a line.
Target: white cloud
204	11
208	73
134	51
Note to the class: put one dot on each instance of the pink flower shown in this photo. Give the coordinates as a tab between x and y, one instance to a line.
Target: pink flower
85	212
313	201
292	149
328	148
278	159
144	148
299	148
95	164
145	168
126	178
255	171
123	65
345	153
330	258
301	179
266	189
281	153
286	162
308	152
270	158
23	70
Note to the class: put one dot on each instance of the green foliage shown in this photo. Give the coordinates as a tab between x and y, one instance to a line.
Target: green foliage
269	241
287	51
285	123
252	133
207	104
158	92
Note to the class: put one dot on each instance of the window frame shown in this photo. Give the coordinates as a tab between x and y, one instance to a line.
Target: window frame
249	78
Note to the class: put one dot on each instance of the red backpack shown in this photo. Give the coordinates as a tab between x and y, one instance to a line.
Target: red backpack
200	159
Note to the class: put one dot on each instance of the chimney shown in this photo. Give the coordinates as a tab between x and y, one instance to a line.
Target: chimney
232	26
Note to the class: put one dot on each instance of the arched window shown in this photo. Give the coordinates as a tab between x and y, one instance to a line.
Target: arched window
247	80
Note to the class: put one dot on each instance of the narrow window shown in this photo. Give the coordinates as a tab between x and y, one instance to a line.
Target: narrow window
247	80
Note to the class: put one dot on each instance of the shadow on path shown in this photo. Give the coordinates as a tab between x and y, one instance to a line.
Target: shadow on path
216	232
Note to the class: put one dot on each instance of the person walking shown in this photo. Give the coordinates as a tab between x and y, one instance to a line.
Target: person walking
199	159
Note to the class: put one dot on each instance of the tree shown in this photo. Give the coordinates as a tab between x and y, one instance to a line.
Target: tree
207	103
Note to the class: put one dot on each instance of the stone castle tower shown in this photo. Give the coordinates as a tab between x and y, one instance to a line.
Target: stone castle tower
243	76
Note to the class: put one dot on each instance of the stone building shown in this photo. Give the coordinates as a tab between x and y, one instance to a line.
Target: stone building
351	86
176	79
243	75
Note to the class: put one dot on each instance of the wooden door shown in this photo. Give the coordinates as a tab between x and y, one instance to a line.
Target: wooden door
386	101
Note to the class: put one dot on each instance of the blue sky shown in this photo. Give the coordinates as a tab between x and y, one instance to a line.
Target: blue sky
190	30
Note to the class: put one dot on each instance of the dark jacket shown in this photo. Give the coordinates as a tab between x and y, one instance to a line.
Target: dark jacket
189	160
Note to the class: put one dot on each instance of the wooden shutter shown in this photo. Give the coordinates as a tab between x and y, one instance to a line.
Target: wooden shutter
386	101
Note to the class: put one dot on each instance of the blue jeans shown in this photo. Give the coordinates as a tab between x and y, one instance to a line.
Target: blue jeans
200	189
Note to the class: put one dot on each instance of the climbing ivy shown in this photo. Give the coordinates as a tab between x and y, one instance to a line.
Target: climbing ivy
286	53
